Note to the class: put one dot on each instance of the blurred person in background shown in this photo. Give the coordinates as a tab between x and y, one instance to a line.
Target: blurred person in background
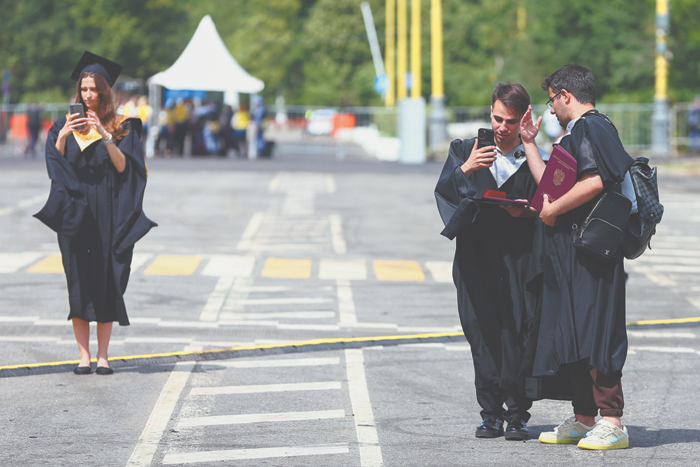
258	113
239	123
143	112
33	126
694	126
166	129
98	177
493	246
226	130
180	117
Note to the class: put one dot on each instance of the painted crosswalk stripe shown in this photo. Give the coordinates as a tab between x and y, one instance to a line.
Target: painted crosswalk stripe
12	262
50	265
229	265
258	453
279	363
216	299
440	270
287	268
260	418
367	438
283	315
173	265
338	269
263	388
398	271
139	259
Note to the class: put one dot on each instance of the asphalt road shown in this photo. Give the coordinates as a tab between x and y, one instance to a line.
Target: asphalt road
286	250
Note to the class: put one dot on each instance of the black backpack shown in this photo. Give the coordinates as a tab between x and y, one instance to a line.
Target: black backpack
642	224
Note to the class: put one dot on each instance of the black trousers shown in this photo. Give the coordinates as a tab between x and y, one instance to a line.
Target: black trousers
595	391
492	400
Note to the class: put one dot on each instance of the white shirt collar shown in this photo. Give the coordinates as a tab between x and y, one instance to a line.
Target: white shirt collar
506	165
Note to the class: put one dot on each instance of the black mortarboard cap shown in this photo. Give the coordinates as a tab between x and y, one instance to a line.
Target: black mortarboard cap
91	62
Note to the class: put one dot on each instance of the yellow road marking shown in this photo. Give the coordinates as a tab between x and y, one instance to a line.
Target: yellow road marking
398	271
287	268
173	265
663	321
49	265
252	347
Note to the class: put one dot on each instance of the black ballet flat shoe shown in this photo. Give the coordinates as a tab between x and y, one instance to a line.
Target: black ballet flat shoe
82	370
492	427
104	370
517	431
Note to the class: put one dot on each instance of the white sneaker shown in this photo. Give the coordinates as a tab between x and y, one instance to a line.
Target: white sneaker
569	432
604	436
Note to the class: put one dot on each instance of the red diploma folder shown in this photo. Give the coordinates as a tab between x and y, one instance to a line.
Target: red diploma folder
558	178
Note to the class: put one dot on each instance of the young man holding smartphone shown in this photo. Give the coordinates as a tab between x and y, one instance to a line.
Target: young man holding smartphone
493	244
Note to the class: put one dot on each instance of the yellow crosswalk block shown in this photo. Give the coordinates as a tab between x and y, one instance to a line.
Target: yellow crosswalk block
173	265
398	271
49	265
287	268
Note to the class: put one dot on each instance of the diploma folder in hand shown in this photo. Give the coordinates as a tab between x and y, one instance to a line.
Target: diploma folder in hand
499	197
558	178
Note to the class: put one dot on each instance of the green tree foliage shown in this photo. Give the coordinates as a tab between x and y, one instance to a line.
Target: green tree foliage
316	51
42	40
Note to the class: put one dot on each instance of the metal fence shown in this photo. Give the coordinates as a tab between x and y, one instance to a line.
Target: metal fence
633	121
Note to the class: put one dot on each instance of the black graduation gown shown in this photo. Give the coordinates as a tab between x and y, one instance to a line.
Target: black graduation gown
580	300
97	214
491	257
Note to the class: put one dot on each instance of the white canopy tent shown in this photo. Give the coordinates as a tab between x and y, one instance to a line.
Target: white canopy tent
205	65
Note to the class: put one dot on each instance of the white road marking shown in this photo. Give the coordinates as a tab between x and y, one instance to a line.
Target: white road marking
139	259
264	388
663	349
259	418
250	231
145	449
309	327
341	269
367	438
275	363
286	301
13	262
258	453
229	265
275	182
652	275
346	304
661	334
336	225
440	270
216	299
663	259
23	204
330	184
283	315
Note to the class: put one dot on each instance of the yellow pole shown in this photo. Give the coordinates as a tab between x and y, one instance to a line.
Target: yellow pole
416	89
390	53
661	65
402	52
436	78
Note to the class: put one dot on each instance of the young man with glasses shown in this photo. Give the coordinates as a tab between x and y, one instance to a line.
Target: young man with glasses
578	330
492	250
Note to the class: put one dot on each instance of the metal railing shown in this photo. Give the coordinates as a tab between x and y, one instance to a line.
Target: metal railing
633	121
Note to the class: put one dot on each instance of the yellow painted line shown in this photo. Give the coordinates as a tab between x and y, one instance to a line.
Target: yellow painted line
252	347
287	268
664	321
49	265
173	265
398	271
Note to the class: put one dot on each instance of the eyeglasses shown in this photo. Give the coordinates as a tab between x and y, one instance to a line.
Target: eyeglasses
550	102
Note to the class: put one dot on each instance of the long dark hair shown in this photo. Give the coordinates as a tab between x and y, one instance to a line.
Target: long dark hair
106	109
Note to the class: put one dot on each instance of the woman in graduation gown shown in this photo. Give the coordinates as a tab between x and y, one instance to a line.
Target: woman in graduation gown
98	177
493	245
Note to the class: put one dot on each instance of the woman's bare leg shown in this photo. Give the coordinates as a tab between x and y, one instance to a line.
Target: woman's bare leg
104	333
81	329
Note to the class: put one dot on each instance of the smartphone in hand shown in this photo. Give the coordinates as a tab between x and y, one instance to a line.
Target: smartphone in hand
78	109
485	138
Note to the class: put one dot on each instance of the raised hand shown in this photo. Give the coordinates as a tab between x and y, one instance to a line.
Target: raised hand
528	128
